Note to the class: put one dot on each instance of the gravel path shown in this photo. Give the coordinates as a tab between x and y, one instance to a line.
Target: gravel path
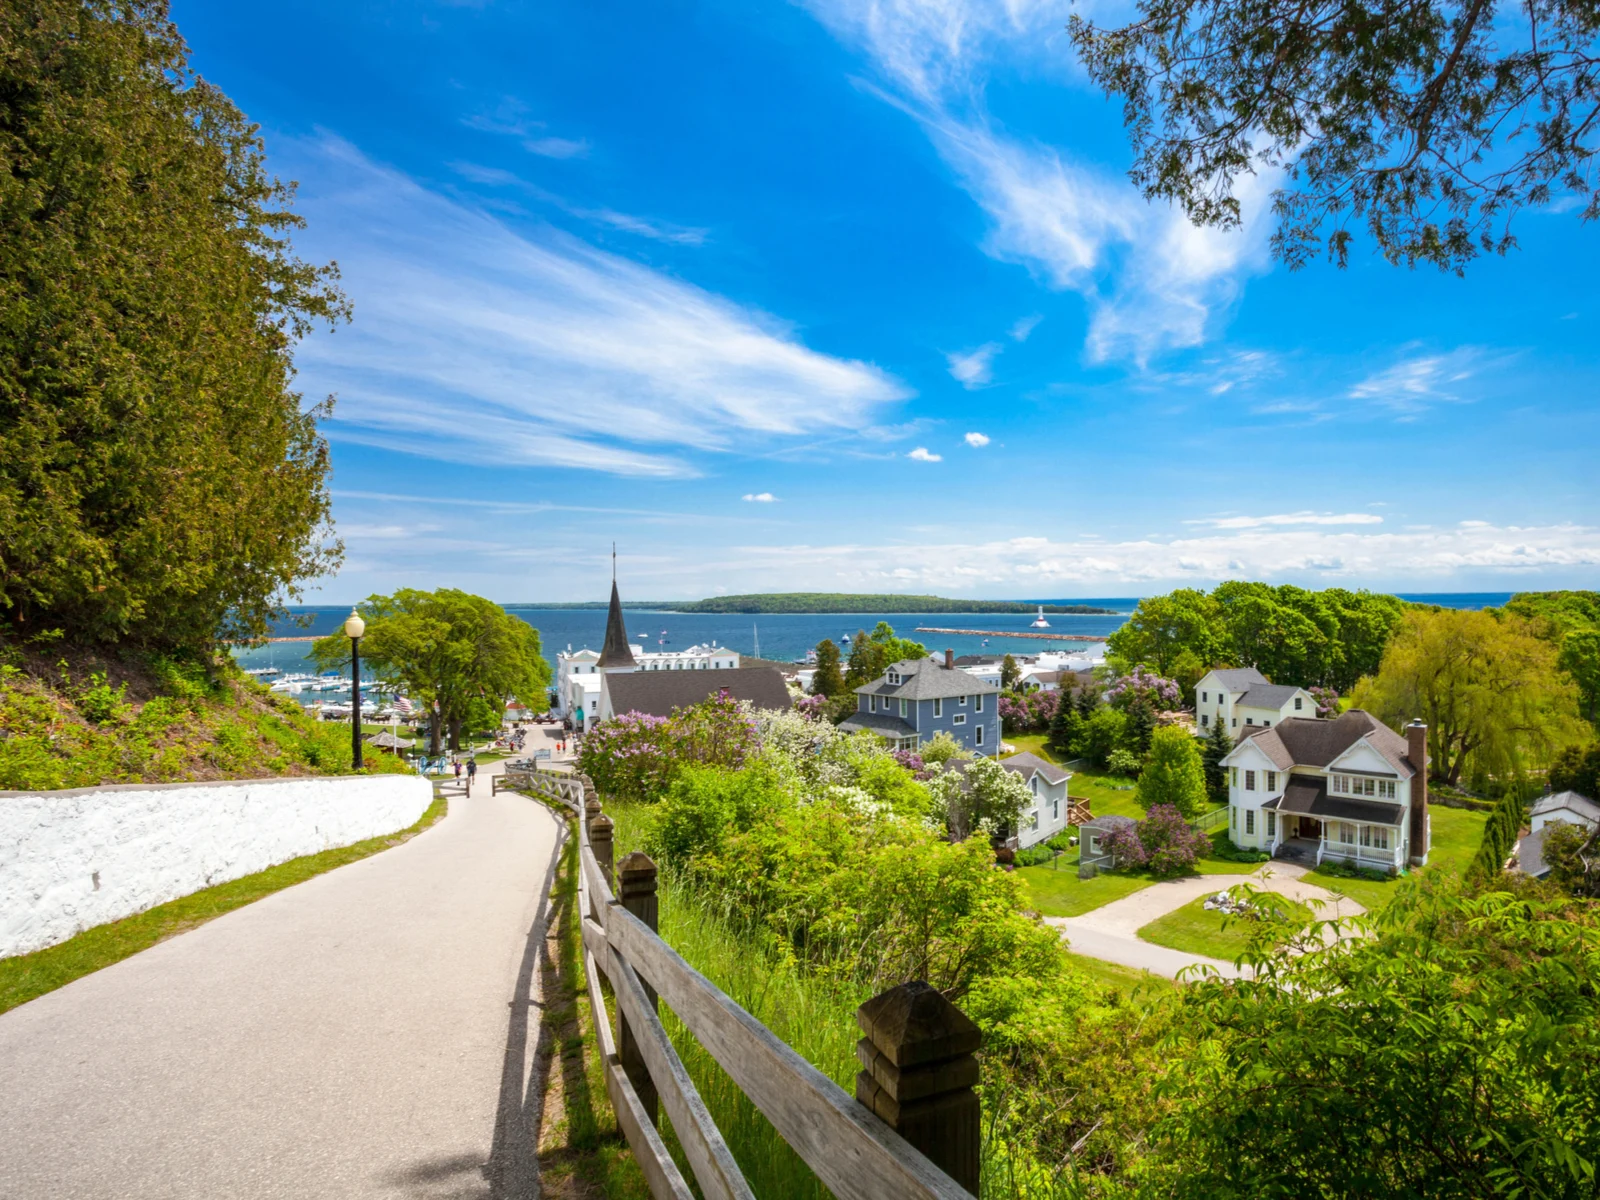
1111	932
368	1033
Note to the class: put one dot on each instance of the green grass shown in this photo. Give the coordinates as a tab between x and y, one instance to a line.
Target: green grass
1456	835
1060	893
27	976
1124	980
1193	930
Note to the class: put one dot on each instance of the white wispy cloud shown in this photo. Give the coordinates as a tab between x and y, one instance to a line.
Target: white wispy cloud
974	368
474	342
661	231
1152	280
557	147
1420	381
1296	518
1021	330
923	454
760	497
511	118
977	440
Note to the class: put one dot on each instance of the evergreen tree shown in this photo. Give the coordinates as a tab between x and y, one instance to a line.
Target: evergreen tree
1010	674
866	661
828	680
1218	745
1064	725
1141	725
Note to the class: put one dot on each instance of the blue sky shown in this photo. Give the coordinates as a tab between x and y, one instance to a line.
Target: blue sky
855	296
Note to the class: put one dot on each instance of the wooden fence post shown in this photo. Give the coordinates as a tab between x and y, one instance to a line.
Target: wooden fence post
918	1075
636	888
600	841
591	810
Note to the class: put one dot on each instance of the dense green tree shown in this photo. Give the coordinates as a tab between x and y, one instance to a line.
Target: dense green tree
1576	768
866	661
160	481
1486	686
1174	773
1064	725
1102	731
1572	852
446	649
1429	124
1217	746
1571	620
1452	1053
828	680
1162	628
1010	674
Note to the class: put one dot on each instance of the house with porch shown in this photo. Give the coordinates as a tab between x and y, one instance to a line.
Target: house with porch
1350	789
917	698
1242	697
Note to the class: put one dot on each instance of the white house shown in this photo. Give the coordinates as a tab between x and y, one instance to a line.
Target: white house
1047	816
695	658
1241	697
981	667
1570	808
1350	789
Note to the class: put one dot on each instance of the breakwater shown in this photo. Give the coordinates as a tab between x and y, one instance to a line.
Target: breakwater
1013	633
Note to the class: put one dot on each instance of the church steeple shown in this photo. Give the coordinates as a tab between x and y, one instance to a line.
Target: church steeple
615	654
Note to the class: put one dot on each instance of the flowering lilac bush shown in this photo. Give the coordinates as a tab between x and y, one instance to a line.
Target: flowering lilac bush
1031	713
1171	844
815	707
636	755
1327	701
911	761
1014	715
1162	693
1163	844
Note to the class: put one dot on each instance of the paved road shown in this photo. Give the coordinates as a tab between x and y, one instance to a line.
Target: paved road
1111	932
368	1033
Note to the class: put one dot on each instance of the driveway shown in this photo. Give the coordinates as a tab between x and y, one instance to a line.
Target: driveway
367	1033
1111	932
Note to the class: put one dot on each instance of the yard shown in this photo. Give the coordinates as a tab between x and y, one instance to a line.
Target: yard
1194	930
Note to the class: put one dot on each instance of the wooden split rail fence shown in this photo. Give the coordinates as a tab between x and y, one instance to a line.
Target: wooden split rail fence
913	1128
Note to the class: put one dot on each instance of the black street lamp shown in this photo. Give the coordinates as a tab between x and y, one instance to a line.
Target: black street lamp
354	627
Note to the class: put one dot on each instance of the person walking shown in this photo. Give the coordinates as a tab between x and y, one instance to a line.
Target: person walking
458	770
472	772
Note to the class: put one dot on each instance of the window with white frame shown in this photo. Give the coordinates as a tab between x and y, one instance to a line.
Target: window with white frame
962	701
1233	776
1272	823
1204	698
902	706
1386	789
978	741
959	719
1347	833
1055	809
1272	781
977	703
1249	821
1033	819
1204	720
1297	704
1375	837
894	677
1233	819
938	706
1236	722
872	703
1033	784
1249	720
1249	783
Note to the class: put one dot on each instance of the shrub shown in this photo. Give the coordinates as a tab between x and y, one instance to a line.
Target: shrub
1160	693
1171	844
100	702
1100	733
1122	762
1035	856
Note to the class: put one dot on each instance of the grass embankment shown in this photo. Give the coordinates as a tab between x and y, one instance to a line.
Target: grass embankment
73	717
1457	833
1194	929
26	976
582	1151
816	1018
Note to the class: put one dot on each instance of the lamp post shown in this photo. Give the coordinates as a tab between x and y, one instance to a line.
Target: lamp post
354	627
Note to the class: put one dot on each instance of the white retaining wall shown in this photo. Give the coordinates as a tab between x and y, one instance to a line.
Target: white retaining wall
74	859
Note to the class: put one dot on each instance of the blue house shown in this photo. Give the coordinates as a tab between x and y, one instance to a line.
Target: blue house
918	698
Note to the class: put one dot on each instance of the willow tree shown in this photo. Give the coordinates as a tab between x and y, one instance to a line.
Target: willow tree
160	480
1488	688
448	650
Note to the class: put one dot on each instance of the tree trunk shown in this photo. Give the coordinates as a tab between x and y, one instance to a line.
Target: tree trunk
455	735
433	735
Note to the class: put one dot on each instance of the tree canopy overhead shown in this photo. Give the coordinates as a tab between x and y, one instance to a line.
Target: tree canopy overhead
160	482
1430	123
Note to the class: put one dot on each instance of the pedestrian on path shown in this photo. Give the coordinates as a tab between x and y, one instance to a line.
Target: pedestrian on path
472	770
458	770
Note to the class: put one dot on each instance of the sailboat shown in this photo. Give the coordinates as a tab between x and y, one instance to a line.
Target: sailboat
1039	622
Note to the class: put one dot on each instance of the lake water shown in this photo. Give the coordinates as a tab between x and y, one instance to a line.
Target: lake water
782	636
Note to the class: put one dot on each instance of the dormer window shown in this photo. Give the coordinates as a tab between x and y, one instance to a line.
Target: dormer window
894	677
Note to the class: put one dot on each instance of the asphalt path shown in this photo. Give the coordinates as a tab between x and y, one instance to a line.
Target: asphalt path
368	1033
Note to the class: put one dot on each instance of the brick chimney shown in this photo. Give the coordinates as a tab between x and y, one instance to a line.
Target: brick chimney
1417	752
949	660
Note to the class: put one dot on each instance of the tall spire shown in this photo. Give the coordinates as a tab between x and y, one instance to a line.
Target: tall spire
615	653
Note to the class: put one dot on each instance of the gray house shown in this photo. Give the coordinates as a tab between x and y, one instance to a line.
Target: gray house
918	698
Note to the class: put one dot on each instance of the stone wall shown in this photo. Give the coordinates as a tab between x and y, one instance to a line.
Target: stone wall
70	860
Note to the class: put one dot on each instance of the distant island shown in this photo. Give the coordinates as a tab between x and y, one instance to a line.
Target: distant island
840	602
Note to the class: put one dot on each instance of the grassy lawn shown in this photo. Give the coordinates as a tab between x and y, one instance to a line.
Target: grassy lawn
1456	835
27	976
1193	930
1060	893
1115	975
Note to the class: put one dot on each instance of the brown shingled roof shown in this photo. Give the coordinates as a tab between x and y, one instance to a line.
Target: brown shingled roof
1310	742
